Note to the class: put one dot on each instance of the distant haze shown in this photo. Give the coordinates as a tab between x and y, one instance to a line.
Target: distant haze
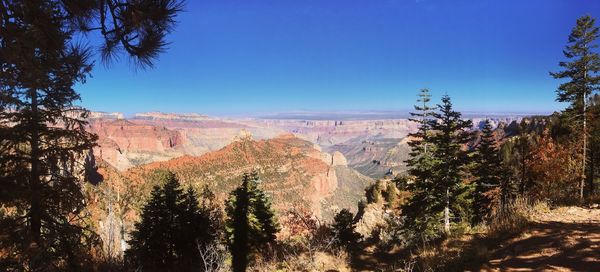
377	115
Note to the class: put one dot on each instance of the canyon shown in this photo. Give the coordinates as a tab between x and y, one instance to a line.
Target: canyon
326	163
375	147
320	166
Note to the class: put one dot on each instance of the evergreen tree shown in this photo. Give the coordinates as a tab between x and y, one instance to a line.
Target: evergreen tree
489	173
149	244
582	72
450	140
344	230
265	217
251	223
172	226
211	208
42	136
421	116
438	190
416	211
238	209
194	225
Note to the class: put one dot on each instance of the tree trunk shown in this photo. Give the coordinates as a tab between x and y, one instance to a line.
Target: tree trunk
447	212
35	211
592	171
584	97
584	159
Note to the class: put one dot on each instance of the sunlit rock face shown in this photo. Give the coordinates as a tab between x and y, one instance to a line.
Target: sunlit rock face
291	170
373	147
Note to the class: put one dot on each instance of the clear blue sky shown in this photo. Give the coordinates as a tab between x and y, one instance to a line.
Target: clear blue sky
260	56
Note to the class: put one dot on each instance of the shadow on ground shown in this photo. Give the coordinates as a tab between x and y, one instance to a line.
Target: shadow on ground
549	246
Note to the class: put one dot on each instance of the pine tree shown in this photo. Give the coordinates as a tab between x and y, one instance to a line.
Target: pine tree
266	219
42	136
437	191
149	244
582	72
489	174
238	209
344	230
194	225
416	211
172	226
450	139
251	223
421	116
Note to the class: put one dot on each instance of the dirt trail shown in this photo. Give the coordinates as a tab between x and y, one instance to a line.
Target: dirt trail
564	239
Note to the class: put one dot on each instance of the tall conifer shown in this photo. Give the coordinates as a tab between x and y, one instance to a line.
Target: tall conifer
173	225
582	71
439	172
251	223
42	138
488	173
416	211
451	155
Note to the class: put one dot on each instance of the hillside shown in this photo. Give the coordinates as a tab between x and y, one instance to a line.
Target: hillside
294	171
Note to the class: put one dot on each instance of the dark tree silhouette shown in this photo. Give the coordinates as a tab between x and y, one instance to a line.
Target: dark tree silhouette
42	137
238	210
173	225
344	230
251	223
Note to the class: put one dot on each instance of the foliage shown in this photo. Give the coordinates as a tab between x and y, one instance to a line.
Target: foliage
172	226
438	188
582	68
492	187
251	223
43	144
554	170
306	240
42	137
594	146
385	192
516	151
343	229
582	71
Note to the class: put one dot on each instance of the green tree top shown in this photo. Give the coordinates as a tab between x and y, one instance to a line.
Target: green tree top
173	226
583	66
488	172
251	222
582	71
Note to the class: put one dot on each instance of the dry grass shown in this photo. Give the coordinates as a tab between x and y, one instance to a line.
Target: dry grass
457	252
319	261
514	217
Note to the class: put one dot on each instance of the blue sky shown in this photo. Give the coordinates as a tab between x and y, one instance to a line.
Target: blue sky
236	57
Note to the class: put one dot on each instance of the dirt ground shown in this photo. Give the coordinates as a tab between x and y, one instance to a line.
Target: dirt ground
564	239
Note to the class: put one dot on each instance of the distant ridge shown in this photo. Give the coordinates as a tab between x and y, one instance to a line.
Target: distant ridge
382	115
171	116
